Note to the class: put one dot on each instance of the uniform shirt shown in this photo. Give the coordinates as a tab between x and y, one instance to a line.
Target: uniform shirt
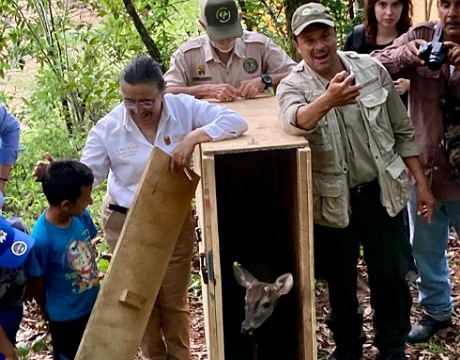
9	137
115	145
425	111
196	62
66	259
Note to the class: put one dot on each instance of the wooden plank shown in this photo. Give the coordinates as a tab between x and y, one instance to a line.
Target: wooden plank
211	237
265	131
209	308
305	253
120	315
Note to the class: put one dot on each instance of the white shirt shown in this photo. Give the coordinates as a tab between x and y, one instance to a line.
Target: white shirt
116	147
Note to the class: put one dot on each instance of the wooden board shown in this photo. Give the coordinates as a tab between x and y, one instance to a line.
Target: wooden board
305	256
265	131
120	315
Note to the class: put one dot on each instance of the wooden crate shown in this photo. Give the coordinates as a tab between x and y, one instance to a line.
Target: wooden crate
254	206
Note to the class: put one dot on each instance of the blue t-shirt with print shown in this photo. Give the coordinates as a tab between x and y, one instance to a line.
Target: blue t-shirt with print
66	259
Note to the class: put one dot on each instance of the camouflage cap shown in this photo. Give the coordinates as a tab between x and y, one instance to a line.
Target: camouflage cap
221	18
308	14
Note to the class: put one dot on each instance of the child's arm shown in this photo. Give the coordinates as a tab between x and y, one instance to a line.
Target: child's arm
6	347
36	290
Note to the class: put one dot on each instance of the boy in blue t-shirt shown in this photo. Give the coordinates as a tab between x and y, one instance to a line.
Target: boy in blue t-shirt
15	245
63	275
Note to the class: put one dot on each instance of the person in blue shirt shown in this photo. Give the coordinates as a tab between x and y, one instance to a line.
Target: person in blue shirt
15	245
62	271
9	144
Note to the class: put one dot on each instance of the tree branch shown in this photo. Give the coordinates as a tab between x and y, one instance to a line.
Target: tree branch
144	34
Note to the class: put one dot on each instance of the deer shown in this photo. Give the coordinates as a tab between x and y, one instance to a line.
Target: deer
260	300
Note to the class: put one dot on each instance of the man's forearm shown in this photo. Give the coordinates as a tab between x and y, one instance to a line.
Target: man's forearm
309	115
415	168
276	78
4	175
198	91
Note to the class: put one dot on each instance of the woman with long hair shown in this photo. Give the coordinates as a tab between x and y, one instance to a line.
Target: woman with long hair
384	21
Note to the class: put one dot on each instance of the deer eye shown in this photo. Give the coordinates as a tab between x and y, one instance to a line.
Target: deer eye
266	305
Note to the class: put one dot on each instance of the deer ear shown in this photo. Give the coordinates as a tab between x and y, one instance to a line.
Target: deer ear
284	284
242	276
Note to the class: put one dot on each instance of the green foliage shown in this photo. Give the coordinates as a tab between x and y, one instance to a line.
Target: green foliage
194	287
24	349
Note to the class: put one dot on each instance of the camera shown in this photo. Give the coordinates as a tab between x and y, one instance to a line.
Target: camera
435	52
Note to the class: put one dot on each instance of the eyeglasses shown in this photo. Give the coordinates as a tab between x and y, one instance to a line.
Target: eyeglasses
146	104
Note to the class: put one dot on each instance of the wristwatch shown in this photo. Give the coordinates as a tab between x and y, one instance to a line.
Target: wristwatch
266	80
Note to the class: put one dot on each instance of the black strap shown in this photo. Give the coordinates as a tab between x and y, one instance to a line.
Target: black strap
118	208
358	37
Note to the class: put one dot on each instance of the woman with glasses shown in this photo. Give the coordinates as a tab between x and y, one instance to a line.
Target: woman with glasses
119	146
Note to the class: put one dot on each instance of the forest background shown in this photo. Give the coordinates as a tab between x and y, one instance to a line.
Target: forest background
60	62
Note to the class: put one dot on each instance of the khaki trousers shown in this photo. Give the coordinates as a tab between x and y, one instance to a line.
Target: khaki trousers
167	336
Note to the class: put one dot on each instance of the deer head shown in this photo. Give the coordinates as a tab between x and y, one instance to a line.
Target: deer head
261	297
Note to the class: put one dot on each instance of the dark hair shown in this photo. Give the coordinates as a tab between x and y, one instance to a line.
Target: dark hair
63	180
370	21
143	70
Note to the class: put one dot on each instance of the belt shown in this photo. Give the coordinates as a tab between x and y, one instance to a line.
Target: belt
118	208
370	187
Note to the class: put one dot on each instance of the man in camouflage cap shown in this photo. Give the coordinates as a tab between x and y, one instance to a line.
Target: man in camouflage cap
227	62
361	141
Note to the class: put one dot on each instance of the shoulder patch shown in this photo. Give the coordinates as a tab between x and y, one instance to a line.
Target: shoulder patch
355	55
191	44
254	37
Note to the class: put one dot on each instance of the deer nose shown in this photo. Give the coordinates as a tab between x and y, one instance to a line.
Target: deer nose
246	330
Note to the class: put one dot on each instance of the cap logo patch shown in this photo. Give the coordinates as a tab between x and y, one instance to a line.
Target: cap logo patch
250	65
223	15
2	236
19	248
306	12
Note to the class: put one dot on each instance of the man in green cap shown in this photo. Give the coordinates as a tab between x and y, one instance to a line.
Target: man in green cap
361	141
227	62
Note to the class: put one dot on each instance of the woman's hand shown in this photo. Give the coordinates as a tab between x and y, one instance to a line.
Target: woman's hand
41	165
182	154
402	85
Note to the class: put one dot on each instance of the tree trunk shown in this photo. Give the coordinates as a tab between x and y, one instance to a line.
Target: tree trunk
144	34
289	7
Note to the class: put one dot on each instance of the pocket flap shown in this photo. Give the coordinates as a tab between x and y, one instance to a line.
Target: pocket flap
327	187
375	98
396	167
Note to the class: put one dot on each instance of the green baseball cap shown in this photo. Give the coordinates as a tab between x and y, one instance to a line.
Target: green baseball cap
222	20
308	14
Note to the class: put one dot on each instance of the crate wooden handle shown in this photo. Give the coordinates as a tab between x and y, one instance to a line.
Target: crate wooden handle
129	298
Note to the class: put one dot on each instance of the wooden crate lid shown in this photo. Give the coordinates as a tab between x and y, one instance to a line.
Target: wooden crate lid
265	131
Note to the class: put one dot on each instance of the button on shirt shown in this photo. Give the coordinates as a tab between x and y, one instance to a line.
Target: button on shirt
254	54
116	147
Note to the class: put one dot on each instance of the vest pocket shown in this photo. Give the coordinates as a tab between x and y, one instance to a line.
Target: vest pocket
330	201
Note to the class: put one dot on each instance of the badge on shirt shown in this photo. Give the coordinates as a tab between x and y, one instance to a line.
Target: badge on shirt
169	139
250	65
201	70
